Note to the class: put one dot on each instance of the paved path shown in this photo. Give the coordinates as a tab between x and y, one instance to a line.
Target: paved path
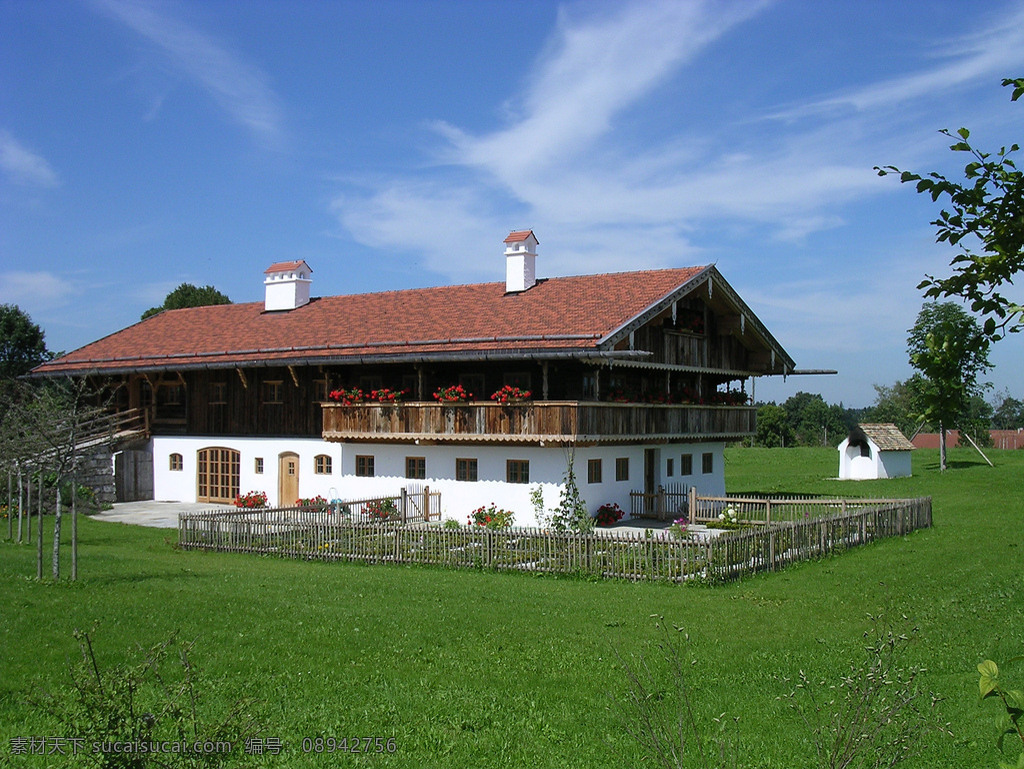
162	515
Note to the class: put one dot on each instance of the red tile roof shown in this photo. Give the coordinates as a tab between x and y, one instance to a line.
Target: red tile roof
571	313
519	235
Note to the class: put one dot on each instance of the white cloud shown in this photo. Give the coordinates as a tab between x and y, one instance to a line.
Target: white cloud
238	87
596	199
31	288
23	166
991	52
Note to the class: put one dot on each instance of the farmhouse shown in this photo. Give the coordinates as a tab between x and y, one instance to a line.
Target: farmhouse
634	379
874	451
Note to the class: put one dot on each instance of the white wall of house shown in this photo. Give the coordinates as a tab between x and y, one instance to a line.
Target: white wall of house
547	467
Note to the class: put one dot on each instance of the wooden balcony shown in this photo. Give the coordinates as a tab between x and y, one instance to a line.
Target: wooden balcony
535	422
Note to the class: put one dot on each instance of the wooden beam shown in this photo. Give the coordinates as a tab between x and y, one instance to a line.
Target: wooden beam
241	375
295	379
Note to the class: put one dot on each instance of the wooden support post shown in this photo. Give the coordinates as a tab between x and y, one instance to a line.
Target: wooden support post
976	448
28	502
39	530
404	503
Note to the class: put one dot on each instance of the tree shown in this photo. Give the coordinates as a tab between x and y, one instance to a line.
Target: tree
898	404
187	295
950	350
812	421
985	221
22	346
773	430
1008	412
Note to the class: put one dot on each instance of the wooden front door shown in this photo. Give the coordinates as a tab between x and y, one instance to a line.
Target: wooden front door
287	479
650	479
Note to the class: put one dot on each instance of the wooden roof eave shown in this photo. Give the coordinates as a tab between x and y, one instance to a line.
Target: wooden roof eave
583	354
720	285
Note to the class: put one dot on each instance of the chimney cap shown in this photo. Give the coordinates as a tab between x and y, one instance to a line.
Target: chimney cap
518	236
287	267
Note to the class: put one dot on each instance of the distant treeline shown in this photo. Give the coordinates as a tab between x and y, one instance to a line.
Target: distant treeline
805	419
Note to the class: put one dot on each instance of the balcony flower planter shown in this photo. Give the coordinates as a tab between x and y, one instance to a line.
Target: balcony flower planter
510	395
449	396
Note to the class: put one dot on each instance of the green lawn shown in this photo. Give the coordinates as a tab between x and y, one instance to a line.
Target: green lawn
510	670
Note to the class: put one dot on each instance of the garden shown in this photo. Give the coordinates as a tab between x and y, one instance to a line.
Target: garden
509	669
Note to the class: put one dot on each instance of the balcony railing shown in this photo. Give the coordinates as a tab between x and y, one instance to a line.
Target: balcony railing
534	422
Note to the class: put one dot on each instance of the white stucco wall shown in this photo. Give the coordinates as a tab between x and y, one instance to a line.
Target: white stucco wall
880	464
458	498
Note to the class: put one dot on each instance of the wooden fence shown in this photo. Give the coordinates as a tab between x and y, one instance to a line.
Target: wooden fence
616	554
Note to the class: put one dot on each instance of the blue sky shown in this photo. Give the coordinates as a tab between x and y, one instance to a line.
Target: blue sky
394	144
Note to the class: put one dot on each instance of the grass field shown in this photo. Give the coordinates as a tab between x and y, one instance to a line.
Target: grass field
509	670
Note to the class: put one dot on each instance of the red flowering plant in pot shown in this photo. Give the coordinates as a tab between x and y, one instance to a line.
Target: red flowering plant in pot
347	397
452	394
387	395
510	394
491	517
608	514
381	510
251	500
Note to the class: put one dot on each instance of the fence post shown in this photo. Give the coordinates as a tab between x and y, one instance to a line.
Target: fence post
660	502
426	504
767	511
692	504
404	501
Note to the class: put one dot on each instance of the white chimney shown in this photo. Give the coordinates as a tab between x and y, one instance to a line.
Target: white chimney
520	261
287	285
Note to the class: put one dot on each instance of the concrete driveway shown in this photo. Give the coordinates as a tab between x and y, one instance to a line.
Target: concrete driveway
161	515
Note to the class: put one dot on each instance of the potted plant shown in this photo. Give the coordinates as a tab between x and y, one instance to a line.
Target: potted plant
510	394
452	394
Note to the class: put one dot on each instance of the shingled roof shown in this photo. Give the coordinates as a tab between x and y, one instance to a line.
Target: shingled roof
572	314
887	437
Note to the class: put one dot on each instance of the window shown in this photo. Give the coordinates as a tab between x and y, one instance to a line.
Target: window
517	471
686	464
416	467
622	469
258	469
218	393
273	392
367	383
465	469
177	462
319	390
323	464
670	467
171	394
364	466
707	463
217	473
520	379
594	471
473	384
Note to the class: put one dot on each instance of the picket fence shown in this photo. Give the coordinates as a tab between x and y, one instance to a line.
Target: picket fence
606	553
